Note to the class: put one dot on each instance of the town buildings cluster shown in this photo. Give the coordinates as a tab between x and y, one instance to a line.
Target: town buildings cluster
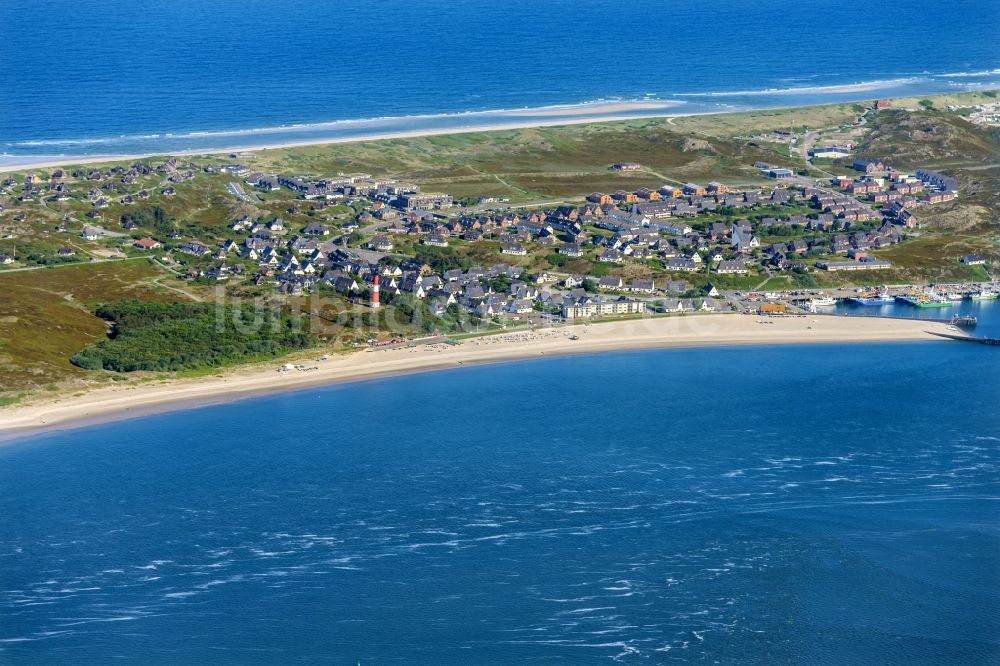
670	231
979	114
615	228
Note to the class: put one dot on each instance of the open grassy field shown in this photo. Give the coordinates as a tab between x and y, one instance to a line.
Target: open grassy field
943	101
758	122
929	138
935	257
524	164
46	315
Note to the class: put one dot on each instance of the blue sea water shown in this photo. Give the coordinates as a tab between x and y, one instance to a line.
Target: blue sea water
85	78
831	504
987	313
822	504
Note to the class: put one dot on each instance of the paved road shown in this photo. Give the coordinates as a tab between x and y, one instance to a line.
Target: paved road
237	191
107	232
93	260
536	203
808	142
370	256
372	228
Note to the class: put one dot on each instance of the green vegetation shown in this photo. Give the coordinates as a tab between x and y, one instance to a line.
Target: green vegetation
929	138
936	139
442	259
46	316
7	400
179	336
934	257
532	163
150	217
500	283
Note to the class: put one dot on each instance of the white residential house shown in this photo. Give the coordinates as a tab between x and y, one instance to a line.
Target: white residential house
515	249
642	286
743	239
381	244
520	306
611	282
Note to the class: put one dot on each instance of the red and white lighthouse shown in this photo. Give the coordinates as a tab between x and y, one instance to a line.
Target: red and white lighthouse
375	293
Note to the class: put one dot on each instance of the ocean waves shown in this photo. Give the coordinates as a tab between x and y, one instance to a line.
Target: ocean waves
695	537
926	83
593	108
653	104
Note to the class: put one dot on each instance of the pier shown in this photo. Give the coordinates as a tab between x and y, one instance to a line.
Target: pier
994	342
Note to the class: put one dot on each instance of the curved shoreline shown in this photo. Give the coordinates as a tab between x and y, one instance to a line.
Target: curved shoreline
703	330
464	122
372	129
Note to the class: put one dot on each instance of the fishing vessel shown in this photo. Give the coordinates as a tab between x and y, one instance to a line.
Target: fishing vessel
823	302
872	298
924	301
982	295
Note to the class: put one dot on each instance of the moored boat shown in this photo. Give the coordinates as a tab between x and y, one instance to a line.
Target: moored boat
924	301
872	298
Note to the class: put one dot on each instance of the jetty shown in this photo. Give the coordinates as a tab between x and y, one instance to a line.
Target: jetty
968	338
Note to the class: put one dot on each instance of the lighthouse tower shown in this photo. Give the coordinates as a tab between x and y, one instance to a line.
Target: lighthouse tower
375	294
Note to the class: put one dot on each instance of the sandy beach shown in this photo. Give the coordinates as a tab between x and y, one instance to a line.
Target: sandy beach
114	403
387	128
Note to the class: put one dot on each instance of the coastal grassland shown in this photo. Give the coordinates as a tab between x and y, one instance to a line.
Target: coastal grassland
933	138
824	118
751	123
46	316
929	138
200	204
936	257
918	261
532	163
943	100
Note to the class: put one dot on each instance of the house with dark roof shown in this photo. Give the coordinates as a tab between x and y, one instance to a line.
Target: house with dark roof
610	282
731	266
